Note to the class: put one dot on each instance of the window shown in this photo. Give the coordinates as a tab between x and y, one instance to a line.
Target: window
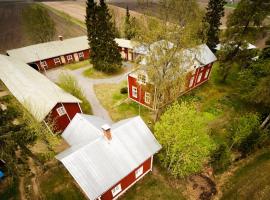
147	97
81	55
142	78
69	58
61	111
139	172
134	92
199	78
206	74
191	81
116	190
57	61
43	64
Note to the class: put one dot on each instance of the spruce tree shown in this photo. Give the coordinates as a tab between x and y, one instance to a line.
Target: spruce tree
215	11
104	54
129	26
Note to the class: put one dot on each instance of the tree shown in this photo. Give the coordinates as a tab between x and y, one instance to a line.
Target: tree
104	55
186	145
242	127
38	24
215	10
175	31
129	26
246	18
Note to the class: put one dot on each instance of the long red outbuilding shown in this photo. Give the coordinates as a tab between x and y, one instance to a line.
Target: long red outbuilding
48	55
42	98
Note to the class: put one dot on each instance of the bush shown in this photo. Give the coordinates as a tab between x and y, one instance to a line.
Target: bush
124	90
221	158
70	85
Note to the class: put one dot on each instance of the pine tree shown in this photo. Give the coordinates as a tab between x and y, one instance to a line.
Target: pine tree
215	11
104	55
129	26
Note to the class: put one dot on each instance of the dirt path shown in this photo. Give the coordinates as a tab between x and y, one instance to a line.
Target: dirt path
87	85
21	188
34	181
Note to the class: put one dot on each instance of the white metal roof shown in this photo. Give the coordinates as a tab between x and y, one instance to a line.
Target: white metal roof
98	164
249	46
190	58
32	89
53	49
125	43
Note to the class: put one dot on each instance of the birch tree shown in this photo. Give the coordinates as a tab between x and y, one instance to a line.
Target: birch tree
175	30
183	135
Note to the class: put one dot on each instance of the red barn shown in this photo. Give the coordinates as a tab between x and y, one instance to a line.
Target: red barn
41	97
48	55
197	66
106	160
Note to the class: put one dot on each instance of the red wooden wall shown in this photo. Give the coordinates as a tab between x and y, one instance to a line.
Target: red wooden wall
193	80
141	89
51	64
61	122
128	180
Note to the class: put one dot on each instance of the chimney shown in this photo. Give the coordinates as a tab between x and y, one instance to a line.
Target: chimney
60	37
107	131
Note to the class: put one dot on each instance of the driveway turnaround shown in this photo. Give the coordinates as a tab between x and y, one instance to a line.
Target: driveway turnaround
87	85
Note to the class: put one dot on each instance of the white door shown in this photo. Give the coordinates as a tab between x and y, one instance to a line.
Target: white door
63	60
76	57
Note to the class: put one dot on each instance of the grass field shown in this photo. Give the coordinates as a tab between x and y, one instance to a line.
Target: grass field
57	184
95	74
78	65
13	34
251	181
118	105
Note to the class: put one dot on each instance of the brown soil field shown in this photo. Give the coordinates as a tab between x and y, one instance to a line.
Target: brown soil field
13	35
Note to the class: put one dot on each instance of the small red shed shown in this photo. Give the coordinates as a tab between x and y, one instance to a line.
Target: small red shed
106	160
41	97
197	67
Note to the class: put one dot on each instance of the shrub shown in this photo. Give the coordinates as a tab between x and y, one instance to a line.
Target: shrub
221	158
124	90
70	84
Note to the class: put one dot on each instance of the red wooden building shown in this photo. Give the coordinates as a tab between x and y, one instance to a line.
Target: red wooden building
45	56
41	97
197	67
106	160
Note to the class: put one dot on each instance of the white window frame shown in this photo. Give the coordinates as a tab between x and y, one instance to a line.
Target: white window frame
61	111
206	74
191	82
56	61
147	97
43	64
134	91
199	77
81	54
139	172
69	58
142	80
116	190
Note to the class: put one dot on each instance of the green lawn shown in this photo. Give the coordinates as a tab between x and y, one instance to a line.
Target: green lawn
118	105
155	185
57	184
78	65
95	74
251	181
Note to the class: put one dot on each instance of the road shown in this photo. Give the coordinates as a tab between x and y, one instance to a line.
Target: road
87	86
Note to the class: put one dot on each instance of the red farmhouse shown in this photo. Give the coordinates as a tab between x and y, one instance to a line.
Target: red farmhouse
106	160
41	97
197	68
53	54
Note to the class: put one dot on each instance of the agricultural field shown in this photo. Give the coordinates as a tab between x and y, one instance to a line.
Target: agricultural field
15	35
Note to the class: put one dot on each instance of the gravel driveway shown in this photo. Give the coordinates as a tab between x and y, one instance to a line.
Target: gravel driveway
87	86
